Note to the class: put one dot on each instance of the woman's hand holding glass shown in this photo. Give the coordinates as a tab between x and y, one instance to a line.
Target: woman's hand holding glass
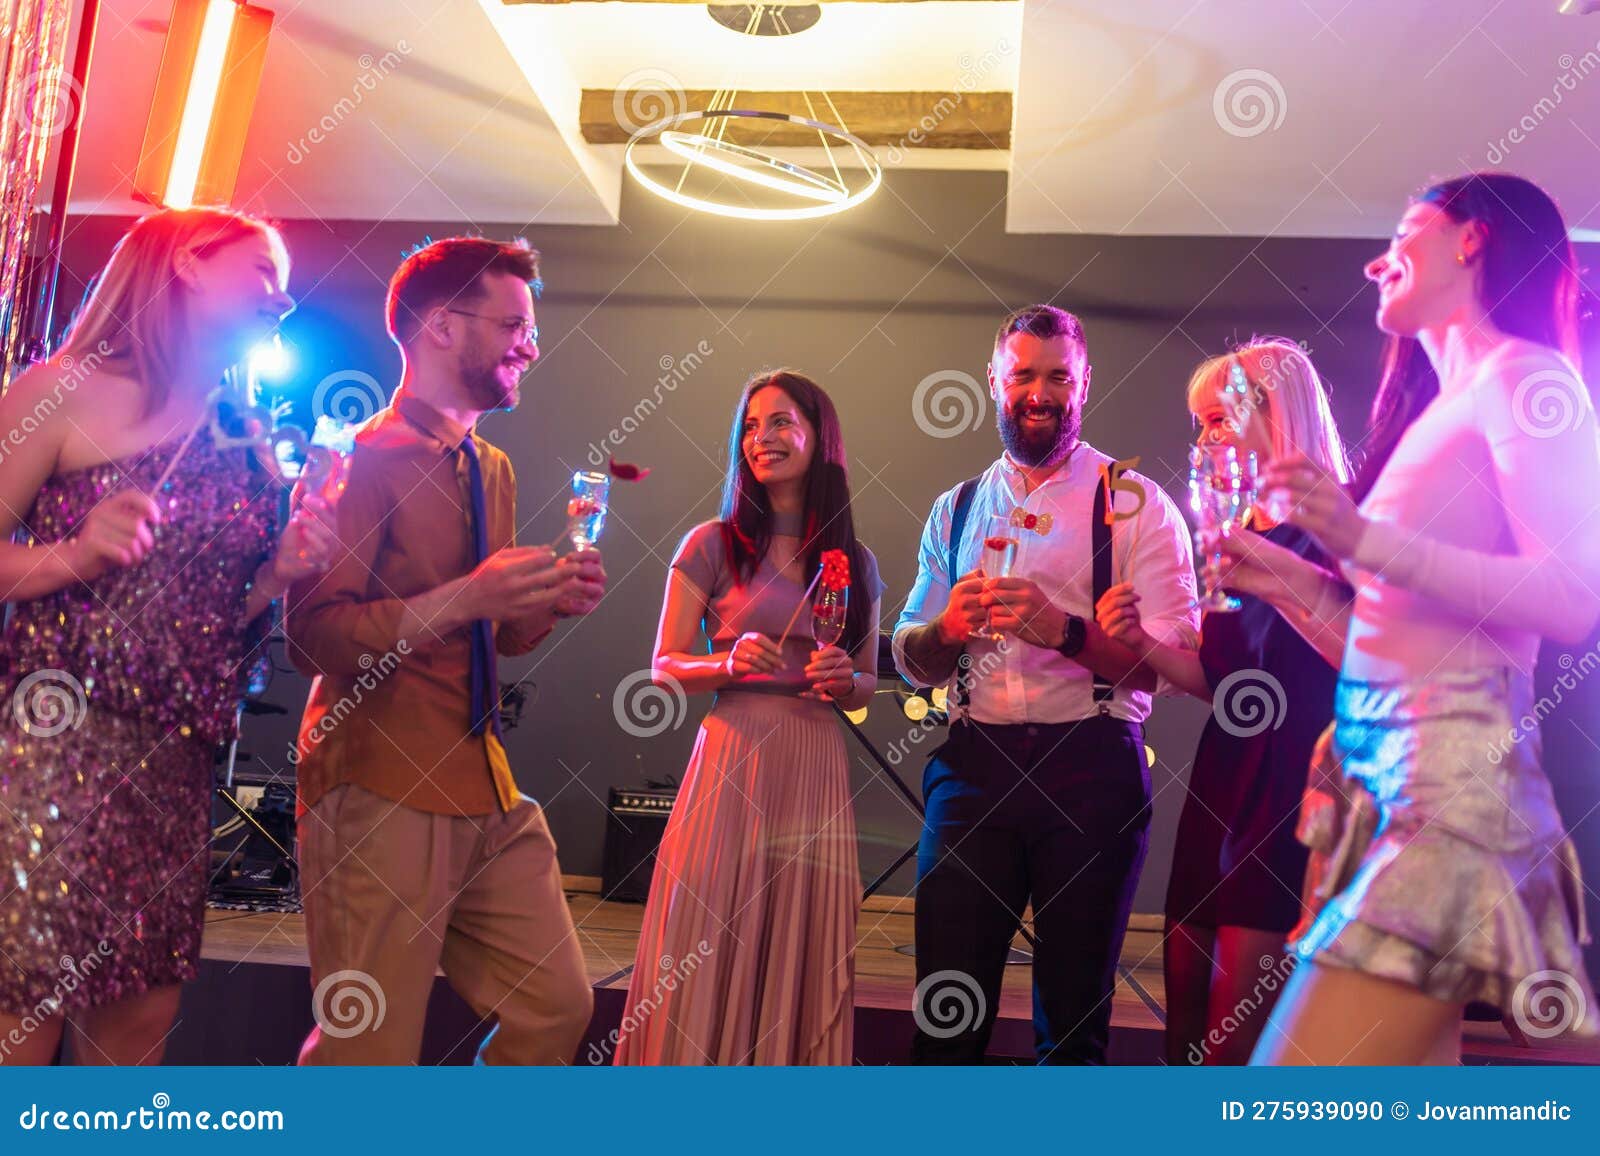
1299	493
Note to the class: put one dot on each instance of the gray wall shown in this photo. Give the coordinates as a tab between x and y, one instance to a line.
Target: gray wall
870	303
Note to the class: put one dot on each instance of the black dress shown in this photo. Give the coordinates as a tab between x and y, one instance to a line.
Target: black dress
1237	862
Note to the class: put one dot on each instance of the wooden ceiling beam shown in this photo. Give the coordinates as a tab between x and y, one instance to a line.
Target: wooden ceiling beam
932	120
702	3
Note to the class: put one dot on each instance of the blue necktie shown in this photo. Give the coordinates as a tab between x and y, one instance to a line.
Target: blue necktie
485	676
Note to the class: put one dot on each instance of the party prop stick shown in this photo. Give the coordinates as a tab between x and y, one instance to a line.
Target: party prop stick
1111	478
184	448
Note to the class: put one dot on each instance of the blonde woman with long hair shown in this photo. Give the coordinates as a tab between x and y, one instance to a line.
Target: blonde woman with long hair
1237	868
146	554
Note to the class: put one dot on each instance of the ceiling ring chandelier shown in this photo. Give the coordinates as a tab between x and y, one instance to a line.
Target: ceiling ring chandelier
698	140
828	194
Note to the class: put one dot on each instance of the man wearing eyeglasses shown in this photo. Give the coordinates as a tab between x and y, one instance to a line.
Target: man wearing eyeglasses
417	850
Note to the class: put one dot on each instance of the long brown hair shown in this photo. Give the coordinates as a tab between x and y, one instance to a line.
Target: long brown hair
1529	288
827	522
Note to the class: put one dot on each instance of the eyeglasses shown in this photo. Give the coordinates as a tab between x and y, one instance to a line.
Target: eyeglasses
525	330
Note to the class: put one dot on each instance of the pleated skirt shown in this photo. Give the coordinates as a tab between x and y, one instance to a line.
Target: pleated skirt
747	951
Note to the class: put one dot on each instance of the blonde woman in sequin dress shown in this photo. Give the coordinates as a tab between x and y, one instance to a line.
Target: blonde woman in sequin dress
135	608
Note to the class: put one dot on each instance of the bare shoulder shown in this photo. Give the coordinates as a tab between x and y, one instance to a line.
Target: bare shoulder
40	406
1522	364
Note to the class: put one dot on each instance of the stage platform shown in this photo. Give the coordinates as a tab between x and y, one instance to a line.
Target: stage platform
252	1003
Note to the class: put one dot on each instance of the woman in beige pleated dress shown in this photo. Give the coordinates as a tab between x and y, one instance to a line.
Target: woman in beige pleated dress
747	951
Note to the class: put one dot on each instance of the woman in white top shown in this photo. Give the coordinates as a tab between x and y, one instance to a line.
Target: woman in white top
1447	873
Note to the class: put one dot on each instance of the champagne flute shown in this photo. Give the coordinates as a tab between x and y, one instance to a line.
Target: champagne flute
586	509
999	555
828	612
328	471
1222	489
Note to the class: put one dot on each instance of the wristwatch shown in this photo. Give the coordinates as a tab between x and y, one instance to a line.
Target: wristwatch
1075	634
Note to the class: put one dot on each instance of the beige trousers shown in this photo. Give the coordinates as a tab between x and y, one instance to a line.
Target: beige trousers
393	894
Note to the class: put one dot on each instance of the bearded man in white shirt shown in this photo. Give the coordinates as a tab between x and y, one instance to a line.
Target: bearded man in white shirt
1042	792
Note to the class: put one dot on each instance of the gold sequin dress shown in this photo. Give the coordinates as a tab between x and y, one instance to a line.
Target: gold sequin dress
116	694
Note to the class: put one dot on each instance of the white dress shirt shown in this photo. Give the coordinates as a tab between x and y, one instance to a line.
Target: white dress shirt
1014	681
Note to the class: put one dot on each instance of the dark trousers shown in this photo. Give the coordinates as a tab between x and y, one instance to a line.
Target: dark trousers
1058	814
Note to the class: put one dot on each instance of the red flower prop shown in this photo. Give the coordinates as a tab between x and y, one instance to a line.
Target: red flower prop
835	570
997	544
626	472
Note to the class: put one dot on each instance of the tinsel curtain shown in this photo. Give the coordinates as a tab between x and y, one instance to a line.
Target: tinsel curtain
40	100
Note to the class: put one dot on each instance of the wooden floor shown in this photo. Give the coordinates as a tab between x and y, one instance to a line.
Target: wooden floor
885	977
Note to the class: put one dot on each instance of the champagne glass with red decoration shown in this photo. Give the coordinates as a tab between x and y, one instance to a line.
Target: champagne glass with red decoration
832	603
999	555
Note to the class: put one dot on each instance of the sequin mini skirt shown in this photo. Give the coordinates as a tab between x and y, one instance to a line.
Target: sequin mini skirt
104	835
1438	857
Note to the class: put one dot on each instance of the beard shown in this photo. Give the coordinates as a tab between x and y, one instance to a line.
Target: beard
481	378
1038	445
